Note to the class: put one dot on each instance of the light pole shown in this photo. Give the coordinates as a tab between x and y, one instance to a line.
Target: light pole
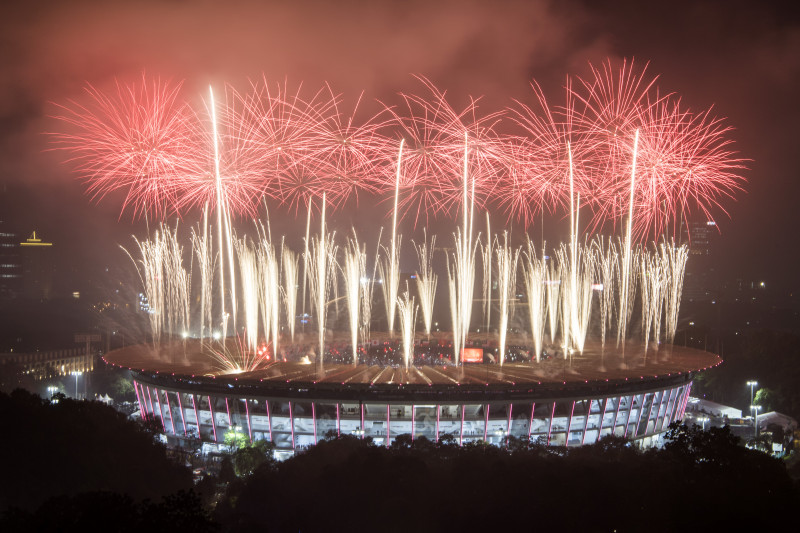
752	385
755	408
76	374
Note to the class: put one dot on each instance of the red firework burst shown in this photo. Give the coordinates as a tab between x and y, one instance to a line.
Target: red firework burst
683	160
139	138
271	143
610	107
554	146
436	137
349	157
684	163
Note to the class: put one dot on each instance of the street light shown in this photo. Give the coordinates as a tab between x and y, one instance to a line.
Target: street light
751	384
703	419
755	423
76	373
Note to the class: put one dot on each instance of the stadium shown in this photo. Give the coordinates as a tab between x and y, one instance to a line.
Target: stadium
583	342
293	404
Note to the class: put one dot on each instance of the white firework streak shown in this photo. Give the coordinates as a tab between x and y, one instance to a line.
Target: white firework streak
628	262
252	285
290	287
426	281
201	243
407	312
606	262
390	266
675	257
486	253
553	285
270	290
507	287
353	271
322	266
389	271
534	272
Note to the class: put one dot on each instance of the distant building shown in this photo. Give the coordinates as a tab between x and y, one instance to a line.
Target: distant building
38	268
51	364
10	264
700	284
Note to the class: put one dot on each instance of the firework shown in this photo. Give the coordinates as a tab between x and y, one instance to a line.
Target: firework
353	272
486	254
323	275
290	286
616	154
506	281
534	271
139	138
408	314
426	281
389	267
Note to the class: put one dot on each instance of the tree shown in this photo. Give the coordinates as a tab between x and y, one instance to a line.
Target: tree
766	398
72	447
248	458
235	439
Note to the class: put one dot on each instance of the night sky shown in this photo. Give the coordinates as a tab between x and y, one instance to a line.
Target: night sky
742	58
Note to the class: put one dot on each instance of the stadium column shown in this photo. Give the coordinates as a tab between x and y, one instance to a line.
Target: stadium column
628	418
213	418
650	413
508	426
686	399
569	424
530	425
485	423
616	416
412	421
183	415
602	420
586	412
550	425
641	410
461	435
658	413
150	399
363	430
269	420
438	416
139	399
160	412
169	409
671	403
249	424
291	422
196	417
314	420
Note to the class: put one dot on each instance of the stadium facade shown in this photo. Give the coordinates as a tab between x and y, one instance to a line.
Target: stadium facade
295	405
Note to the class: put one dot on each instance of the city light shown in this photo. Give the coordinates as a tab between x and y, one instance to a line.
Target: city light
76	373
752	385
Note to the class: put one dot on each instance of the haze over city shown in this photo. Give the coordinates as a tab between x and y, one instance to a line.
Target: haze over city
741	62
